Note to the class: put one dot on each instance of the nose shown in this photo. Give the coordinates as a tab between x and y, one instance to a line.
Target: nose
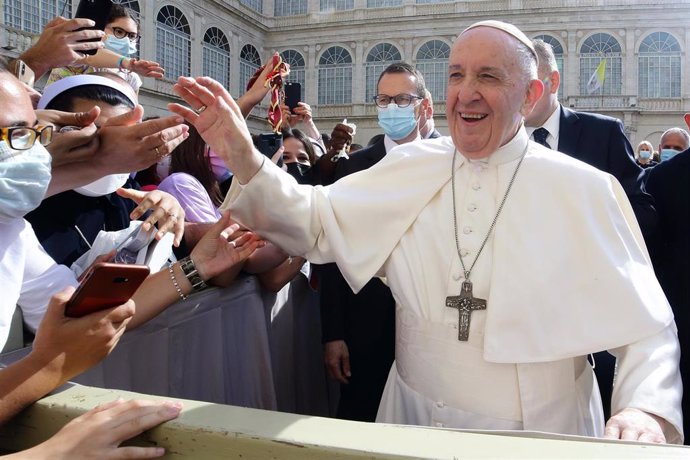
467	91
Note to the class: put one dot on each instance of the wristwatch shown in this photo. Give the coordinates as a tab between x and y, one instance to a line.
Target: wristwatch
192	274
23	72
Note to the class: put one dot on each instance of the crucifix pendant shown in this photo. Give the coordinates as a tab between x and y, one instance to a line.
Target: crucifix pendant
465	304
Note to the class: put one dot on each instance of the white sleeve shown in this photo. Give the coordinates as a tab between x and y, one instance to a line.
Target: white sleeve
42	278
648	378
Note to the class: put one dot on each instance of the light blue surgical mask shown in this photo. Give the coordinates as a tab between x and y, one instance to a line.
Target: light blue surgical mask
397	122
645	154
24	180
122	46
667	154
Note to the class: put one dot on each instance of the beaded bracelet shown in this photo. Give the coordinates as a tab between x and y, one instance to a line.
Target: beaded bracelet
171	269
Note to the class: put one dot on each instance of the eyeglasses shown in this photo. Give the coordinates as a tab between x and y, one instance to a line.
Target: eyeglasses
401	100
23	138
119	32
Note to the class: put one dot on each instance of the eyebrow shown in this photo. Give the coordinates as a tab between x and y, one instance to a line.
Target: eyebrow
481	69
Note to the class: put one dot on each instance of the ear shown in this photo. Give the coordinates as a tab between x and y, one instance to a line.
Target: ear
555	79
534	91
428	108
687	119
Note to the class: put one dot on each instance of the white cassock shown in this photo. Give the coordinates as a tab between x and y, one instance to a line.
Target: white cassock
564	274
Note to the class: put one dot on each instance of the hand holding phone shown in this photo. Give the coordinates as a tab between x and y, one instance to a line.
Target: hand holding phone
293	95
96	10
106	285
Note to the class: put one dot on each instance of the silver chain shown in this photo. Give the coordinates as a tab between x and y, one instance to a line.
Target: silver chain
493	224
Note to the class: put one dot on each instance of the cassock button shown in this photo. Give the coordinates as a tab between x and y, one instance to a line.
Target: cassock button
476	186
464	252
471	207
440	404
467	230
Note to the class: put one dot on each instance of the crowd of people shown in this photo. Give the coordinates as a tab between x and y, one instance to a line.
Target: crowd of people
449	268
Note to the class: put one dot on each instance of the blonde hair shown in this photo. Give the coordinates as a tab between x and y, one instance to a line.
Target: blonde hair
647	144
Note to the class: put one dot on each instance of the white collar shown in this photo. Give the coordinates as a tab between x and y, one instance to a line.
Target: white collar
390	143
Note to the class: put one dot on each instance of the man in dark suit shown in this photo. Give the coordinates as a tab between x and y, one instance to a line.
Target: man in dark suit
359	329
669	184
601	142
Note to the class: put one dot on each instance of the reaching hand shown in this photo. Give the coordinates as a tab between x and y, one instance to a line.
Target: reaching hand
341	137
70	346
72	146
220	123
167	211
146	68
127	145
217	251
337	360
99	432
60	44
635	425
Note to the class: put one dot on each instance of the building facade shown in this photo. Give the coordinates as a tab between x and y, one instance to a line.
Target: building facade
337	48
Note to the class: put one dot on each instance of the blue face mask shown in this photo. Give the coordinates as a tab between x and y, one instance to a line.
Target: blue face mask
645	154
24	180
666	154
122	46
397	122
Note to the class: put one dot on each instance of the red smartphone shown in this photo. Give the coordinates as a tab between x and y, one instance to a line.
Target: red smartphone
96	10
105	286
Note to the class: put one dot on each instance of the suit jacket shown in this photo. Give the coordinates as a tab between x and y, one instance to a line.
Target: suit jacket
669	184
600	141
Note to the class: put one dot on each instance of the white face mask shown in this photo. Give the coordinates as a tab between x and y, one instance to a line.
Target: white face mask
24	180
103	186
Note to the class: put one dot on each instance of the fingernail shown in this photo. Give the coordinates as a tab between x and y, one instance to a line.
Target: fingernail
147	226
179	120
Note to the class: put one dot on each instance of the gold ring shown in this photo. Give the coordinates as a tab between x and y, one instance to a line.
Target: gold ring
158	153
201	109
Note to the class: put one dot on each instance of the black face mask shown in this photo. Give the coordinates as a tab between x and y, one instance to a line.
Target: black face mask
301	173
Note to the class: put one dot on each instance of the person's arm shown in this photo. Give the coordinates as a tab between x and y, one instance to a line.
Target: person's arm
110	60
99	432
212	256
254	95
63	348
275	279
61	44
334	293
646	400
125	145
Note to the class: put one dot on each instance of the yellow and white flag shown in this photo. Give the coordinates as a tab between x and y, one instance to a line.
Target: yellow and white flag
598	77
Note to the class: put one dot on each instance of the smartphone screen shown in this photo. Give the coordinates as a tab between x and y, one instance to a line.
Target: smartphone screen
96	10
293	95
268	144
105	286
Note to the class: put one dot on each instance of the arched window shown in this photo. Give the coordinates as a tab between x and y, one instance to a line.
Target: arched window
173	43
216	56
131	4
659	66
289	7
297	68
250	62
336	5
558	52
378	59
256	5
432	62
32	15
335	76
383	3
596	48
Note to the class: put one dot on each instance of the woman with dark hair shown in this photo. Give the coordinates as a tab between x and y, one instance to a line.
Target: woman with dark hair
191	180
121	38
298	155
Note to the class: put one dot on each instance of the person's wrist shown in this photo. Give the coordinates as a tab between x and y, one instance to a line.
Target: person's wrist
35	63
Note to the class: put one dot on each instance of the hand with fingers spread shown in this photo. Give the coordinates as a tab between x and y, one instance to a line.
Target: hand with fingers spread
220	123
76	144
632	424
62	44
145	68
98	433
127	145
224	246
166	211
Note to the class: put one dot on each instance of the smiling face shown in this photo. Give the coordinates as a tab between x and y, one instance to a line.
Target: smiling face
489	92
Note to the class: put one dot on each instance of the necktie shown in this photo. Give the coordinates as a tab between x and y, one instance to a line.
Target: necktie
540	136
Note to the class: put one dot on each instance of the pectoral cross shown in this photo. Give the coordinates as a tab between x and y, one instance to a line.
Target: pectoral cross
465	303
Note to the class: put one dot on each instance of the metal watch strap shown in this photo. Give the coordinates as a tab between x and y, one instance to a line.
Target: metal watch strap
192	274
